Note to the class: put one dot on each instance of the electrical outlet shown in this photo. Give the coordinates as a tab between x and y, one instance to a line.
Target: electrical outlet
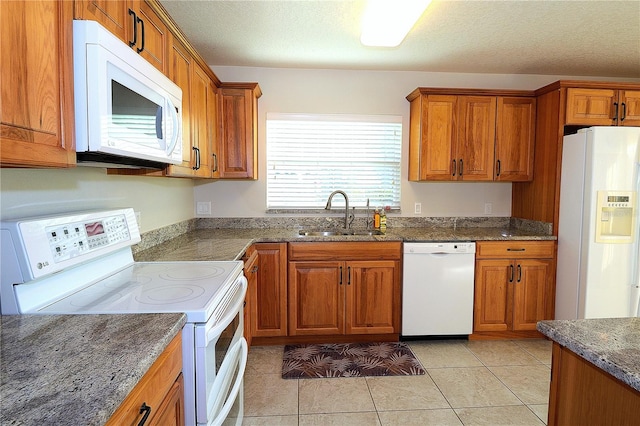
417	208
203	208
488	208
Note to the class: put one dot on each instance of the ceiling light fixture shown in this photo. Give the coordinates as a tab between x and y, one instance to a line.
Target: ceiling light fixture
386	22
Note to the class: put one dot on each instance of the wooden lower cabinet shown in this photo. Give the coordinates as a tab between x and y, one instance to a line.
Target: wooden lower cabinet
250	260
583	394
344	296
161	389
269	295
514	287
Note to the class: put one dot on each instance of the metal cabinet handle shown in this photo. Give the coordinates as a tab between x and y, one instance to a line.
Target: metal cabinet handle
141	48
197	150
254	269
519	273
341	275
461	167
348	275
624	111
516	249
144	408
215	162
498	168
454	167
511	274
615	111
135	29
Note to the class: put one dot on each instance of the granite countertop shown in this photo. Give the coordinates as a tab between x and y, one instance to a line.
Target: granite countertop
76	369
231	243
612	344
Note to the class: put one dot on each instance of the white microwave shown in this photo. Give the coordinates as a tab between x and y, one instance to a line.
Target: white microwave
127	112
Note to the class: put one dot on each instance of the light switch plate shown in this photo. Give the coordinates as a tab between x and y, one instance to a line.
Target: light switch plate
488	208
203	208
417	208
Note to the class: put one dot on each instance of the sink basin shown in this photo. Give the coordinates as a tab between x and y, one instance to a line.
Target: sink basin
337	232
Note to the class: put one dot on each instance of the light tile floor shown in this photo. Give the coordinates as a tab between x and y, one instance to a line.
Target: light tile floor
467	383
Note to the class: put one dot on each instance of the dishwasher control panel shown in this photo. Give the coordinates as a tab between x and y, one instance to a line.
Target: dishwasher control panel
440	247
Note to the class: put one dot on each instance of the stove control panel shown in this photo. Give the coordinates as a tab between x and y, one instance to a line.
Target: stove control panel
73	239
49	244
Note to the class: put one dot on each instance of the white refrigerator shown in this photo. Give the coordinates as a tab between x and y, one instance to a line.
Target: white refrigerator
598	239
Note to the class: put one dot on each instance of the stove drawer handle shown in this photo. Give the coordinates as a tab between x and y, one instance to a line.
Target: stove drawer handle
144	408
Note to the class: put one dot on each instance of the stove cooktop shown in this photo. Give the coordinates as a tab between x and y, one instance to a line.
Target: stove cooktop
195	288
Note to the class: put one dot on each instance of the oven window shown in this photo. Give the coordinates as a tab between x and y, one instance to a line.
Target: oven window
224	341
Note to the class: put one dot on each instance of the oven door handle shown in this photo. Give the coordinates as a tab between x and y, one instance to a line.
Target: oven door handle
236	356
230	313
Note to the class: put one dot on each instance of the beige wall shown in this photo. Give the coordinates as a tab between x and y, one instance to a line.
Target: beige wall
29	192
361	92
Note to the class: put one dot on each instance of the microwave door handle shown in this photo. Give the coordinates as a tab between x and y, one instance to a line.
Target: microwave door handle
176	127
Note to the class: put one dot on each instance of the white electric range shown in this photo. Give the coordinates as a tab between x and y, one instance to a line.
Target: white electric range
82	263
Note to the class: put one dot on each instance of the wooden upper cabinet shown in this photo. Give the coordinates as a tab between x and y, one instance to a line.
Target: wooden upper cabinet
603	107
213	129
515	138
36	84
154	37
432	136
630	101
134	22
464	134
476	138
180	64
200	131
238	142
112	14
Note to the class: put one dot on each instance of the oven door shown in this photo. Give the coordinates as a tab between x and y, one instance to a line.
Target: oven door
220	361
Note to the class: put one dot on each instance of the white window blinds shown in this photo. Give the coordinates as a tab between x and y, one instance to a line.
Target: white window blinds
309	156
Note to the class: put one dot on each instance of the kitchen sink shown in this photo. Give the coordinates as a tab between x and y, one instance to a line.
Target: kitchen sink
337	232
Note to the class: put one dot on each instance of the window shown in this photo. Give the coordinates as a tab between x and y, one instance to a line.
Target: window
310	156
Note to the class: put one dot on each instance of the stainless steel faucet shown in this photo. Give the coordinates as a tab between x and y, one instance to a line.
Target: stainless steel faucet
346	210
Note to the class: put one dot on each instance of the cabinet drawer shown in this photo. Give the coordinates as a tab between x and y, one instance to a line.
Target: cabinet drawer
513	249
153	386
349	250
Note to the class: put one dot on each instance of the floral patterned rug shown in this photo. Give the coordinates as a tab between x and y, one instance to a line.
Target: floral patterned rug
349	360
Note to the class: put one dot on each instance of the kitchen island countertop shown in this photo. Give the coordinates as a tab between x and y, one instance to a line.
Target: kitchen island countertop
76	369
611	344
231	243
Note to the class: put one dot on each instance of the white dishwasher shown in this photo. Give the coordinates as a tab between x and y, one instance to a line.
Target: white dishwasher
437	293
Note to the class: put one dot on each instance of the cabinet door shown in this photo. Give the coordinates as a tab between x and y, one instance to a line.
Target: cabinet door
591	107
171	410
36	96
515	135
630	104
250	260
529	294
199	122
238	133
213	127
112	14
316	298
154	39
269	312
476	137
438	137
372	299
492	302
180	73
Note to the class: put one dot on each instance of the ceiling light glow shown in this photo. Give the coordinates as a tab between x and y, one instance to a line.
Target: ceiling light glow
386	22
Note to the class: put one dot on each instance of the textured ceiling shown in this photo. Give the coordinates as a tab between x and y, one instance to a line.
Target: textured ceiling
574	38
